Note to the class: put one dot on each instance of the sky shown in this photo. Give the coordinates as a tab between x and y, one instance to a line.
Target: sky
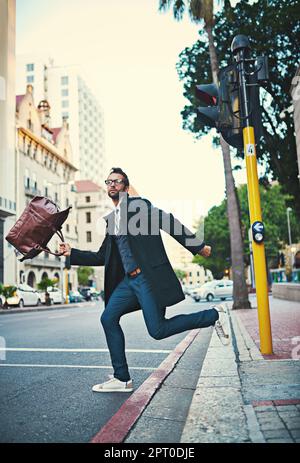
127	53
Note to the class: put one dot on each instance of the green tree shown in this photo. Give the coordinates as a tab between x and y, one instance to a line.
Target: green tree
274	29
7	291
274	203
202	12
83	274
45	282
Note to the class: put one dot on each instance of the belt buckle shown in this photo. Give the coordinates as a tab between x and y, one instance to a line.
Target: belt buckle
135	272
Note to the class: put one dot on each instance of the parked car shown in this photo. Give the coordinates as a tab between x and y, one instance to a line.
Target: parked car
213	289
24	295
189	289
55	295
75	296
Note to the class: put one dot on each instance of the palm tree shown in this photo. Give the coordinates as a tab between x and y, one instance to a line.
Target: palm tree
203	11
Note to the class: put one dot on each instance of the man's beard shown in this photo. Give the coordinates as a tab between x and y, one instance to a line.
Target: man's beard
114	195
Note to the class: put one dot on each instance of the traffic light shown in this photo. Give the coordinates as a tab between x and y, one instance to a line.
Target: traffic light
222	108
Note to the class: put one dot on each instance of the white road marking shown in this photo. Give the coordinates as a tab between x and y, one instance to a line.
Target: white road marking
59	316
50	349
69	366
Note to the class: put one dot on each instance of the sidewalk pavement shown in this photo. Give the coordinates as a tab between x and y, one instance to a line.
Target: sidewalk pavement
243	396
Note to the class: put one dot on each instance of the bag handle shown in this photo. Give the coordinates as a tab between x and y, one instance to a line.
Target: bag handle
46	249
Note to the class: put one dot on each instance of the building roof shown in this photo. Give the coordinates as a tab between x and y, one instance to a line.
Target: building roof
86	186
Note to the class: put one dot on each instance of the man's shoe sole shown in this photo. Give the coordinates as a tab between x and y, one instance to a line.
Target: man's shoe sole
112	390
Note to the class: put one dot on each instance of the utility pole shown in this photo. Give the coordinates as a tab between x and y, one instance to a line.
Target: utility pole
240	48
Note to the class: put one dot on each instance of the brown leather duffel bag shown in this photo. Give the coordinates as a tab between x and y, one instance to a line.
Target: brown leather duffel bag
40	220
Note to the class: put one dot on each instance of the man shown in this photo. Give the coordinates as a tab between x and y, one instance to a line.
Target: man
138	275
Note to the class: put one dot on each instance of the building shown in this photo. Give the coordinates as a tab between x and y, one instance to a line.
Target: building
91	205
43	167
7	138
71	100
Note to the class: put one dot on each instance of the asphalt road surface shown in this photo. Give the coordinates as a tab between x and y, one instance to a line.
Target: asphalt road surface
53	358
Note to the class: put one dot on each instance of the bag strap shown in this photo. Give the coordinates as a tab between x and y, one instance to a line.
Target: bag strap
46	249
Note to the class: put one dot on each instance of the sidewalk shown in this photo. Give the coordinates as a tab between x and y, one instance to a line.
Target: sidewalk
242	396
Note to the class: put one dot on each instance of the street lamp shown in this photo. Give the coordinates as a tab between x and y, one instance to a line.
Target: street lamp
288	210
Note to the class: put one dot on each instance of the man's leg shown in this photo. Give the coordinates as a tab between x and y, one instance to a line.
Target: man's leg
158	326
122	301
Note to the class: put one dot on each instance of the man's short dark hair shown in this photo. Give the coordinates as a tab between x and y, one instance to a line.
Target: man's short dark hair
118	170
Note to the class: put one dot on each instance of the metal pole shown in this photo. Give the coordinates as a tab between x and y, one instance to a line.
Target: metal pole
61	258
239	46
288	210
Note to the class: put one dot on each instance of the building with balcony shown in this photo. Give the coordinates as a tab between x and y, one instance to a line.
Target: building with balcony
71	100
44	167
91	204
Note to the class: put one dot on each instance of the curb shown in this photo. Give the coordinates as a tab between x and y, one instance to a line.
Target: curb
39	308
247	349
120	424
217	413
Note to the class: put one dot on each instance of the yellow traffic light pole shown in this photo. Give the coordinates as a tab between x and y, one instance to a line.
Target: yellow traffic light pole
239	47
259	257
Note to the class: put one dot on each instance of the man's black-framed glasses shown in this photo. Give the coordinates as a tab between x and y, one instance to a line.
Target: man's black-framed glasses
117	181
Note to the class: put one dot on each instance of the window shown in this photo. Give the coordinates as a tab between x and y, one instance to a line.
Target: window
65	103
65	115
30	67
88	236
88	217
64	80
56	197
68	227
27	179
198	274
87	199
190	274
34	181
65	92
30	79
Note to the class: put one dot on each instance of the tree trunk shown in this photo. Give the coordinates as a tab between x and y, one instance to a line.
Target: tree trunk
240	292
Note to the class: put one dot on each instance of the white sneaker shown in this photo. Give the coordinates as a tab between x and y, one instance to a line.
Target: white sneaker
221	325
114	385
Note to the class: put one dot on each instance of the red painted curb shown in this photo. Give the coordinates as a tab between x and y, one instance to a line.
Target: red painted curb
117	428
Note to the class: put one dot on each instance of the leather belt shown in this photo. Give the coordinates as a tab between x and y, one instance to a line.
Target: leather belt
135	272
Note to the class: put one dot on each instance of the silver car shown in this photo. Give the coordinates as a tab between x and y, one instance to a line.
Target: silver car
216	289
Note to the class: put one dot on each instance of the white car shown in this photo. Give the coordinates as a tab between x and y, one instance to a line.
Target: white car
24	295
211	290
55	294
2	300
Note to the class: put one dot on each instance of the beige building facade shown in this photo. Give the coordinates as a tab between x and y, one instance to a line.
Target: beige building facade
44	168
91	205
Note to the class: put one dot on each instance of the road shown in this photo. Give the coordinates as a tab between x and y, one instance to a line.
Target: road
53	360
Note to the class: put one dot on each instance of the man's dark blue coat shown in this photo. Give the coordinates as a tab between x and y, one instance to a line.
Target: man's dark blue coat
142	222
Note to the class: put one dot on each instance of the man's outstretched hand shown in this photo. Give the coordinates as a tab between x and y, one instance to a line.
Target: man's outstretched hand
65	248
205	252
